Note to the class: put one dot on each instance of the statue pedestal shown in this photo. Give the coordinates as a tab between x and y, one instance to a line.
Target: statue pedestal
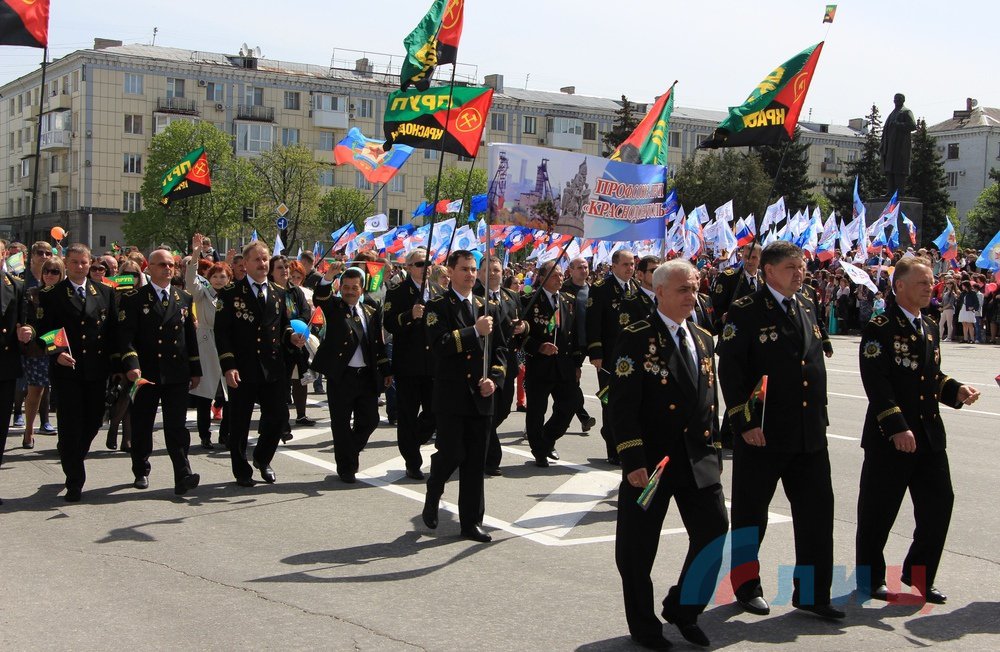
910	206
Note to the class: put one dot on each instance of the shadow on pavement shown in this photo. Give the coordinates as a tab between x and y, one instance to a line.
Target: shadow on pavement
974	618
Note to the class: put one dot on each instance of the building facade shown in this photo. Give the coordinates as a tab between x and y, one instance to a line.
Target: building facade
969	143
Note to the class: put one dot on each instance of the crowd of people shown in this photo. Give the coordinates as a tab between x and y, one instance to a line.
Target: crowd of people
451	349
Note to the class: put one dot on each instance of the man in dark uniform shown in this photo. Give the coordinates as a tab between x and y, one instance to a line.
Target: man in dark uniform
665	396
457	323
412	360
736	282
251	329
552	367
774	333
904	437
809	292
508	307
576	286
352	356
158	342
87	311
605	318
641	303
702	313
13	331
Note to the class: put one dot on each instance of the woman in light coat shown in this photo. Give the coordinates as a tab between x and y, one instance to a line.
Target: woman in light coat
205	291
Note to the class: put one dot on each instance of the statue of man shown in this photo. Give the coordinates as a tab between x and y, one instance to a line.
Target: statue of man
896	145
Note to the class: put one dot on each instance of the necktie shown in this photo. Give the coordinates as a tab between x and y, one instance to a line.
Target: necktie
917	325
80	293
686	357
555	302
793	314
469	314
355	314
164	297
261	297
753	283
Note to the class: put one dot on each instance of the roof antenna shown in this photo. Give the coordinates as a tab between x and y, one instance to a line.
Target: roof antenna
155	30
526	78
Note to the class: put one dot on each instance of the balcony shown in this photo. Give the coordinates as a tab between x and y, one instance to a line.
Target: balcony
330	119
564	140
58	102
255	112
54	141
58	179
833	168
323	156
176	105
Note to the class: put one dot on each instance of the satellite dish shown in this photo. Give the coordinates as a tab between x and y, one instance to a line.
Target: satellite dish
245	50
256	52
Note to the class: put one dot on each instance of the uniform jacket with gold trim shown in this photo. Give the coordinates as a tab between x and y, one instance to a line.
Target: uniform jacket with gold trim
411	354
729	286
344	334
160	340
605	315
91	325
12	307
251	338
563	365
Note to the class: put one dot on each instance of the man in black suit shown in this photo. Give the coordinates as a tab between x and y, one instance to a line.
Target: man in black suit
79	375
251	329
13	332
605	318
665	398
552	366
465	340
411	360
576	286
352	357
158	341
774	333
641	303
736	282
904	437
508	307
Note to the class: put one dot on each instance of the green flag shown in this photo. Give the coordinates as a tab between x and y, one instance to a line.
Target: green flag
433	42
647	144
422	119
189	177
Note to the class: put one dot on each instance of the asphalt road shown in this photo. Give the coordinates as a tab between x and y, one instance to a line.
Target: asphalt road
311	563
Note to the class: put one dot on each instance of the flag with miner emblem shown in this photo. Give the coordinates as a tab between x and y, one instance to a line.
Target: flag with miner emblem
188	178
24	22
648	142
422	119
433	42
769	115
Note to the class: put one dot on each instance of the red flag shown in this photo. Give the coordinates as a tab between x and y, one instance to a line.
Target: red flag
24	22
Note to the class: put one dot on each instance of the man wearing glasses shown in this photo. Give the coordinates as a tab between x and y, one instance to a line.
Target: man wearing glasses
40	252
412	360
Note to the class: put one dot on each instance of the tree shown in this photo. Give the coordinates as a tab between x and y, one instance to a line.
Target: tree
867	168
218	213
928	182
340	206
454	183
624	124
290	175
984	218
793	181
713	180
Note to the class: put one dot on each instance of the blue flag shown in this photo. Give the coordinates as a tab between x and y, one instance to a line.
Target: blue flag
859	206
478	205
946	242
990	258
347	229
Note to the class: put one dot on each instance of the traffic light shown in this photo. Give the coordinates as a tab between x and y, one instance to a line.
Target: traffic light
247	214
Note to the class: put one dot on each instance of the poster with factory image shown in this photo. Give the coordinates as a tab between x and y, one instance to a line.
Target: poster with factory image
576	194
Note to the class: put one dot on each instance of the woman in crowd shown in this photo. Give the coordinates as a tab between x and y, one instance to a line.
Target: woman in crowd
969	307
36	360
949	299
297	361
843	305
98	270
205	288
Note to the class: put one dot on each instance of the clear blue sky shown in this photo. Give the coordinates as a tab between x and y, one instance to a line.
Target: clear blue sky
936	53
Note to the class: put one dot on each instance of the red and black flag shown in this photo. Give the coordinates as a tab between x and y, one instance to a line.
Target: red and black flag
188	178
24	22
433	42
770	114
418	119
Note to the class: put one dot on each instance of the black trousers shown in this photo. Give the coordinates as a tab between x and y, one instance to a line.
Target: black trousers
603	380
272	398
461	444
173	400
204	407
81	413
415	424
885	477
502	401
352	394
581	412
7	389
542	434
637	538
806	481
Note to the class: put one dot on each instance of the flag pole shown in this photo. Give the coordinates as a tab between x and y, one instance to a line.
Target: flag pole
360	213
38	150
468	183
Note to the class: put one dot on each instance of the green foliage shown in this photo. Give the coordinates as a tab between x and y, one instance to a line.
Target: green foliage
340	206
715	179
454	181
867	168
217	214
984	219
289	175
793	181
624	124
821	200
928	182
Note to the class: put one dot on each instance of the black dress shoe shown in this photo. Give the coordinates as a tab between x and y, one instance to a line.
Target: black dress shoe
245	482
349	478
112	443
494	472
757	606
189	481
541	461
430	513
207	444
521	408
932	595
126	448
587	424
880	593
821	610
141	482
267	473
305	421
477	533
553	454
287	437
414	474
694	634
73	495
652	642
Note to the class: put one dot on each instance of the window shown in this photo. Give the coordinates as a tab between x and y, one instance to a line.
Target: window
590	131
361	183
397	183
674	139
76	80
53	164
289	137
65	85
952	151
395	216
133	84
326	177
254	96
702	138
431	154
214	91
10	174
130	202
326	142
953	179
464	159
565	126
329	103
162	120
366	108
498	121
25	167
292	100
10	140
133	163
175	87
530	124
829	155
251	137
103	241
133	124
852	155
54	201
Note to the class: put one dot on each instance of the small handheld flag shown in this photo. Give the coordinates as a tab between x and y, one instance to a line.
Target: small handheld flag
139	382
646	497
56	341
